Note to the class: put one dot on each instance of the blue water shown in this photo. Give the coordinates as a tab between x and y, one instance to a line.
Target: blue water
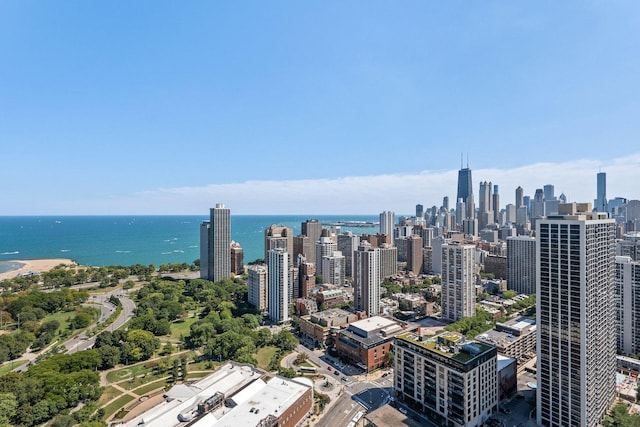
127	240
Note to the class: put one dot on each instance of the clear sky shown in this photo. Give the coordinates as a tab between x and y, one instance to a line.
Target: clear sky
118	107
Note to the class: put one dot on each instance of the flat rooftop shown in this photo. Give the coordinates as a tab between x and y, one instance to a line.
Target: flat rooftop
184	398
261	400
448	344
371	324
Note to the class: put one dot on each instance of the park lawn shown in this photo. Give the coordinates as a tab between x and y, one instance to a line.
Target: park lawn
182	328
10	366
114	406
108	394
137	382
308	363
146	389
62	316
127	372
264	356
208	365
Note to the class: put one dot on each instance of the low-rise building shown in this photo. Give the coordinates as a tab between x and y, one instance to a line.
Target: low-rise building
515	338
331	298
320	328
367	342
451	380
235	395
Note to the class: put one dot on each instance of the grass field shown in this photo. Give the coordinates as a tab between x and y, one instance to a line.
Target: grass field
128	372
108	394
114	406
264	356
10	366
145	389
137	382
202	366
62	317
182	328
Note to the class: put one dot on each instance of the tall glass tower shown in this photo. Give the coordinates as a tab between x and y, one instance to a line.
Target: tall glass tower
601	195
465	191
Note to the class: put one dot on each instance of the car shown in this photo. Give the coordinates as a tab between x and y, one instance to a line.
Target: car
336	373
329	368
344	378
504	410
403	410
385	374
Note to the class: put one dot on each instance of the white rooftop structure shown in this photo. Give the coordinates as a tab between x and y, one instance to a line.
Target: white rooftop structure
258	401
374	323
182	400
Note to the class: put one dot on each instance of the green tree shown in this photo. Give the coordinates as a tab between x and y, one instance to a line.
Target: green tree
8	406
508	294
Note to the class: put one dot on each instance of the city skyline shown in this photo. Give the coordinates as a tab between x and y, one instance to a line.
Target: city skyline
112	109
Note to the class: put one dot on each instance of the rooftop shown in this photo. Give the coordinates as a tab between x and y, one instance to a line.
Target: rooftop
449	344
184	398
370	324
259	401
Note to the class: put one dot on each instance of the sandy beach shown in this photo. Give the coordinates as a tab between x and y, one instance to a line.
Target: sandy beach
34	265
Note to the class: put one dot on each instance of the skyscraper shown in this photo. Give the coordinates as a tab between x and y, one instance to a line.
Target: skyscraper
601	194
537	206
366	287
521	264
387	222
495	204
549	192
419	211
519	196
465	191
485	207
278	287
458	285
627	310
313	229
347	244
217	265
278	236
576	317
415	258
332	268
257	286
324	247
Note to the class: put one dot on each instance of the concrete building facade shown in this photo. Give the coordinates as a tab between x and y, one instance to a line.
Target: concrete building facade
576	330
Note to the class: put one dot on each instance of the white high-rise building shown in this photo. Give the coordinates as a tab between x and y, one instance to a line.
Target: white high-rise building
217	265
458	298
510	214
628	310
576	319
333	268
366	286
521	264
257	282
387	223
278	293
325	246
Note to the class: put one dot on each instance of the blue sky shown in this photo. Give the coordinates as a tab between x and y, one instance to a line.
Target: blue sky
311	107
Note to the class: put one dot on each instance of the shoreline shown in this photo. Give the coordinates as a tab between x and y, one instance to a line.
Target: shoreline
36	266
